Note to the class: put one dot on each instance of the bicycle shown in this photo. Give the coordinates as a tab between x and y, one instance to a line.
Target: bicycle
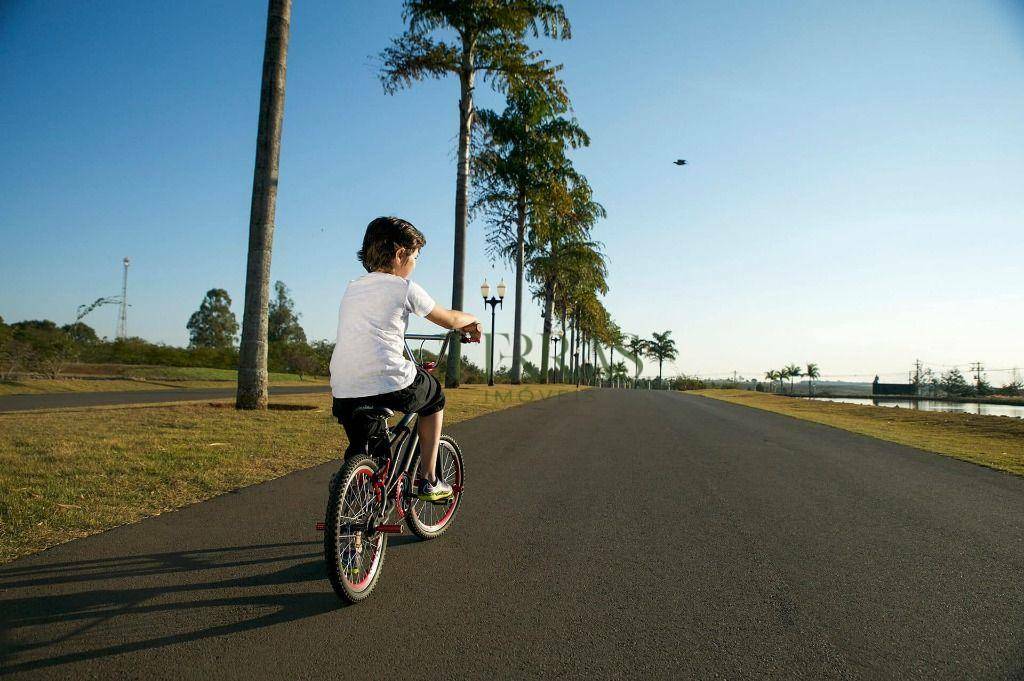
378	481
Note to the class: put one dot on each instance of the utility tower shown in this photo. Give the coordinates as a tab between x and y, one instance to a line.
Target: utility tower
122	320
977	368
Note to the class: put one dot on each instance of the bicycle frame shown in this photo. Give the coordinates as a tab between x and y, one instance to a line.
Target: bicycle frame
403	439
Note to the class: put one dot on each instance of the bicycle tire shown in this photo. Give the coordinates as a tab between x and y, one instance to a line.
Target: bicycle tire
340	553
416	517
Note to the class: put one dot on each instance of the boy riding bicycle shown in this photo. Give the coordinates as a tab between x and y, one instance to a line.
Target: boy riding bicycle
369	366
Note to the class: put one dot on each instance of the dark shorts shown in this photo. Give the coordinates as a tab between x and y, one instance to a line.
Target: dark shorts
423	396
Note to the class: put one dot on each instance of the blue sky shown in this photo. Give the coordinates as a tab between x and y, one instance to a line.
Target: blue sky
853	196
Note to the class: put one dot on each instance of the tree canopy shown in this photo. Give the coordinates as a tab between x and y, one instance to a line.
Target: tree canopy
213	325
282	319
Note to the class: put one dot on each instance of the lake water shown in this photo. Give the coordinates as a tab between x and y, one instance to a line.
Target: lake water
1014	410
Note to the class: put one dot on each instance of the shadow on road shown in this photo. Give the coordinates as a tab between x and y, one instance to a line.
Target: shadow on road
72	611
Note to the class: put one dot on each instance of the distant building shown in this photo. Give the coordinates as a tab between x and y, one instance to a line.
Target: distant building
878	388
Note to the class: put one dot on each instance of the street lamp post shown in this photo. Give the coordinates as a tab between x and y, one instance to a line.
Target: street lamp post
485	291
556	336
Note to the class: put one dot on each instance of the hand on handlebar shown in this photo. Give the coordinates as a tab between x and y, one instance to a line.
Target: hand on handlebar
471	333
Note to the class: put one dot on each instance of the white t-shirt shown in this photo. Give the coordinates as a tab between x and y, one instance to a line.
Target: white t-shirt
369	357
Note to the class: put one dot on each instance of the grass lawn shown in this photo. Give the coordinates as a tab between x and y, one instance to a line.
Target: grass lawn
71	473
117	377
993	441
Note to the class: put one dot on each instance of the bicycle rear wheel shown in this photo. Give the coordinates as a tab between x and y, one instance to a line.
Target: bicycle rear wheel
428	519
354	557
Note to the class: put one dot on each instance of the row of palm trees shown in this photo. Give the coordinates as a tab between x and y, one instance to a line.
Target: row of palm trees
583	351
539	210
791	371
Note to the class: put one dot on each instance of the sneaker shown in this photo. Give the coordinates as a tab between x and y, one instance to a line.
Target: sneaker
433	492
350	561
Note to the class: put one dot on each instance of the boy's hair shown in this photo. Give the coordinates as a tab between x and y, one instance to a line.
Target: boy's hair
383	238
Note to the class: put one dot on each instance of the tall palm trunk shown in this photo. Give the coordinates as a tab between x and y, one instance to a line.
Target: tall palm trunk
576	351
572	351
517	349
466	80
584	344
561	368
252	359
549	297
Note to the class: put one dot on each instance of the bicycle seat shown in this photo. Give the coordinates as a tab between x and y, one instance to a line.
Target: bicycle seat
372	412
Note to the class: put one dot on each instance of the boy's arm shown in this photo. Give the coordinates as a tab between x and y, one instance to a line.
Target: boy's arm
456	319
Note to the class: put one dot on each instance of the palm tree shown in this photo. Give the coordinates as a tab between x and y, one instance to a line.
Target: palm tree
791	371
614	337
618	372
812	375
522	151
252	358
771	375
557	246
661	347
489	38
637	347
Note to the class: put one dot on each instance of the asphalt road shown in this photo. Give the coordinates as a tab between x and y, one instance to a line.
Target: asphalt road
96	399
605	534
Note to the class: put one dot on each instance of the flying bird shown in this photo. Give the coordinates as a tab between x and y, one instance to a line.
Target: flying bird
680	162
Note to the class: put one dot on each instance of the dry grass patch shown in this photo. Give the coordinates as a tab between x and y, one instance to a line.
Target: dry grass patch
70	473
993	441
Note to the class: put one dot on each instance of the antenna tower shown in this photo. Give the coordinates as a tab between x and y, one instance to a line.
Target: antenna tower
122	320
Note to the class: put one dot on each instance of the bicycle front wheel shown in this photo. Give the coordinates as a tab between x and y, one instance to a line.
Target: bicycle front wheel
429	519
354	557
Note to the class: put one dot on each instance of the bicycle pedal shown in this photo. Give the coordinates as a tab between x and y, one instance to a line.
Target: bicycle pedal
388	529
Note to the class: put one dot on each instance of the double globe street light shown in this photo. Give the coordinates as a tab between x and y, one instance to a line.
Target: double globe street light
485	291
556	336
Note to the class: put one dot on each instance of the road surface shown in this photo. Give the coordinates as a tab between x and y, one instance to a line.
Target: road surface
607	534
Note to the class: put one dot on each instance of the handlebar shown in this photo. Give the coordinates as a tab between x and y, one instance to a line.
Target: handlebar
444	337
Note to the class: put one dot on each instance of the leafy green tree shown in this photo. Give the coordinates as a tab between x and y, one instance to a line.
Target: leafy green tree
300	359
954	383
484	37
81	333
39	347
1013	389
323	349
684	382
662	347
213	325
282	319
